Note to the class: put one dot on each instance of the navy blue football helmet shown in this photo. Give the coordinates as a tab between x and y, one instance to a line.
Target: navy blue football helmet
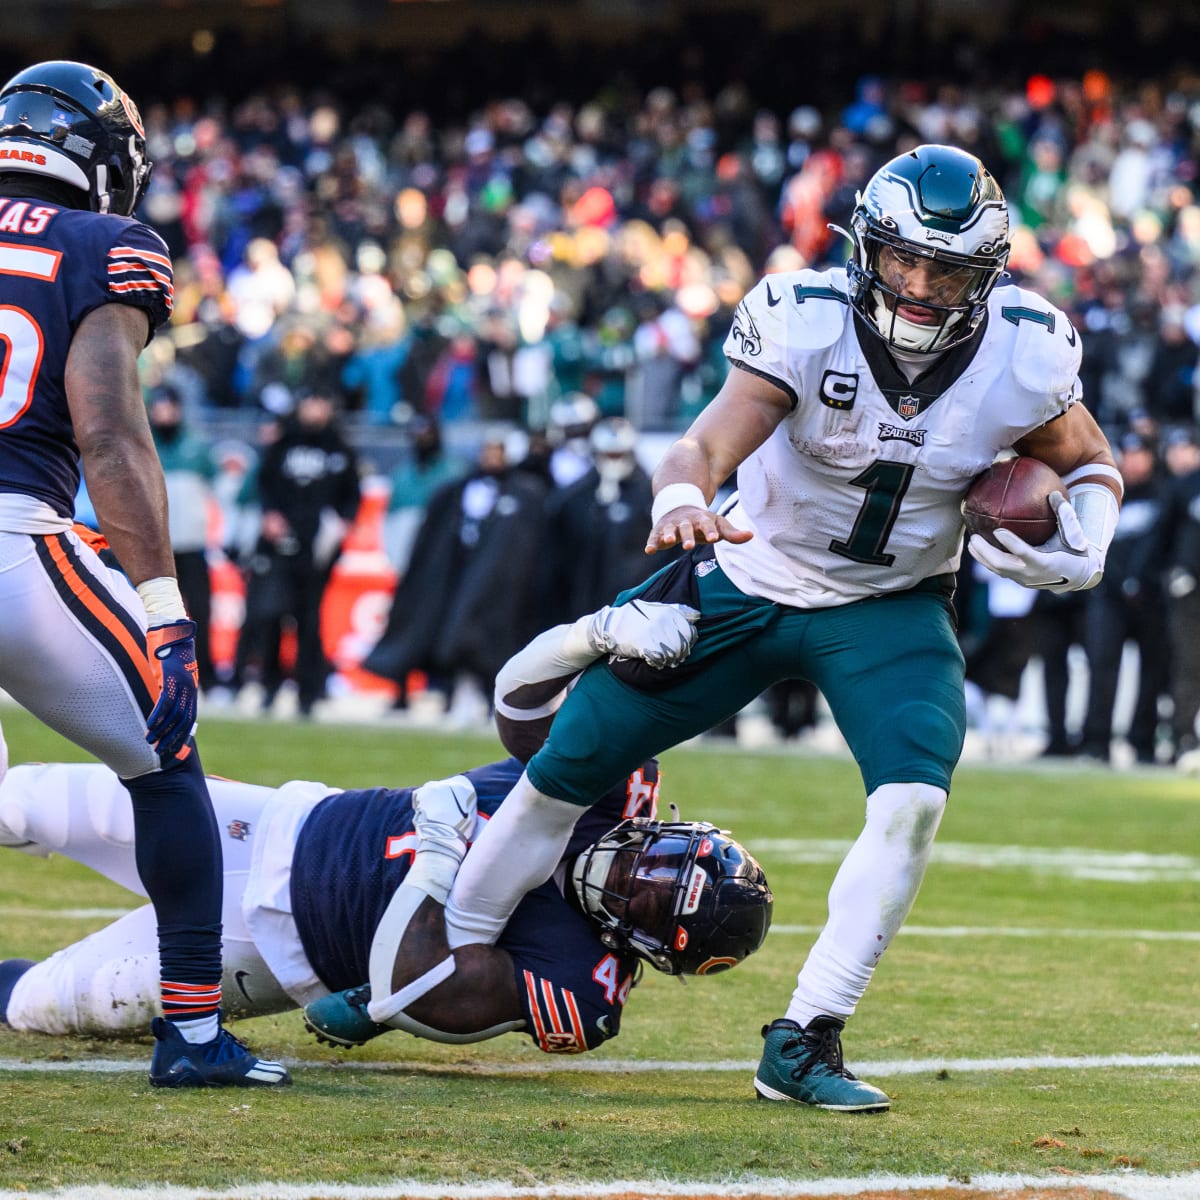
682	895
71	122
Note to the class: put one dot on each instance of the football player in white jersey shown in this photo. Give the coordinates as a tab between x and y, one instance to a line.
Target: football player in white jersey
861	404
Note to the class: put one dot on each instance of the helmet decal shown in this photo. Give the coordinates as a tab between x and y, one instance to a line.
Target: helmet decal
695	887
131	111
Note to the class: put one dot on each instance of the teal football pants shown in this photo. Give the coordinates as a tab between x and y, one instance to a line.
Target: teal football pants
889	667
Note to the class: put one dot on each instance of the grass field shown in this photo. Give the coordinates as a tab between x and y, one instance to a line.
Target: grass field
1037	1018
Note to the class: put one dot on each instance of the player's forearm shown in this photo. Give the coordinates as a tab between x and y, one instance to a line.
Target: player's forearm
480	994
687	462
1075	446
126	488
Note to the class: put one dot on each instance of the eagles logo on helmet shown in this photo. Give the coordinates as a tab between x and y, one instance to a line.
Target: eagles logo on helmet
934	211
682	895
72	123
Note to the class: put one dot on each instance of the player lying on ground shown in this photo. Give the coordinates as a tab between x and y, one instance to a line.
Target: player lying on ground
326	888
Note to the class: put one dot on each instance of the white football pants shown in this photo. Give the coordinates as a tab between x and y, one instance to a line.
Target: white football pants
107	984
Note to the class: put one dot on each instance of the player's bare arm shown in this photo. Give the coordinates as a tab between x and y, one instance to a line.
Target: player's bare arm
121	466
1071	443
740	418
480	994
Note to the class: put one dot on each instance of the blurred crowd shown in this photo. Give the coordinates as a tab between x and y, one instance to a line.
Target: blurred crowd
475	297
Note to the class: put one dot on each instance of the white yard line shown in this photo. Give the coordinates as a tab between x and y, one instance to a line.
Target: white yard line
626	1066
25	912
1023	931
1114	866
1128	1184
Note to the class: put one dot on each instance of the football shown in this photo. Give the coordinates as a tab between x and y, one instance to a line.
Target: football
1013	494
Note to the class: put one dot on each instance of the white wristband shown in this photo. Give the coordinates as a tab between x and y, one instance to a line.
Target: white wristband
1097	510
676	495
162	600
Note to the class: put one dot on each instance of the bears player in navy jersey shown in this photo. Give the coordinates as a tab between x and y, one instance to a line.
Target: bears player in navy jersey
83	287
325	889
860	404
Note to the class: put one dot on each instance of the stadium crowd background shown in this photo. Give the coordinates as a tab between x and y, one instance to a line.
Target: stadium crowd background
458	244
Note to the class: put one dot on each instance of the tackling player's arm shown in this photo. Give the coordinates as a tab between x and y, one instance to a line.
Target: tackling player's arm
743	414
481	993
120	463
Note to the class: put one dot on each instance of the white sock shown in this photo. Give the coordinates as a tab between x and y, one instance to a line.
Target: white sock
516	851
871	896
202	1029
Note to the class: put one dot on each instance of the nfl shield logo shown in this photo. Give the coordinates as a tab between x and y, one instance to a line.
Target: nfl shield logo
908	406
239	830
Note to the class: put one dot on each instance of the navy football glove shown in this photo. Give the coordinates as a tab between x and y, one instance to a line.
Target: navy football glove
171	649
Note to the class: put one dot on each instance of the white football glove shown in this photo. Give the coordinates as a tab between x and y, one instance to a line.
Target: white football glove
444	814
661	635
1068	562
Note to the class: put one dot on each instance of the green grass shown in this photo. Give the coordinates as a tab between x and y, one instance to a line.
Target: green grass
448	1114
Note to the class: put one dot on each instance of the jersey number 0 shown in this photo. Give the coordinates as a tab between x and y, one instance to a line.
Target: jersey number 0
20	334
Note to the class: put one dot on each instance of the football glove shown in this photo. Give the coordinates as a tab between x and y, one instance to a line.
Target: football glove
1068	562
171	650
661	635
445	806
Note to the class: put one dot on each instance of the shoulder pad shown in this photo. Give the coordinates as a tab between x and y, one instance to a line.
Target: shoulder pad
805	310
1046	350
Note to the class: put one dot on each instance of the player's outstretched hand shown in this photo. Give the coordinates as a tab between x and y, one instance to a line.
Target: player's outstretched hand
690	526
661	635
1068	562
171	650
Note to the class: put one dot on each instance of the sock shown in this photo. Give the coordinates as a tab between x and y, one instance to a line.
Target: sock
871	895
178	853
198	1030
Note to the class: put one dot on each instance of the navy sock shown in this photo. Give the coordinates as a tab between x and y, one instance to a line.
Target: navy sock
178	853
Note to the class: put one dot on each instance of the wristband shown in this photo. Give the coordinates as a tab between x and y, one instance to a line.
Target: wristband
1097	510
676	495
162	601
1090	471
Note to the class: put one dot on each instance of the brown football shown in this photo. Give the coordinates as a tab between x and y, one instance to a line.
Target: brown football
1013	494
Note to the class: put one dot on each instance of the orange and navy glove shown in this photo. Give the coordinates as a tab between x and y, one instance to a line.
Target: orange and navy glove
171	649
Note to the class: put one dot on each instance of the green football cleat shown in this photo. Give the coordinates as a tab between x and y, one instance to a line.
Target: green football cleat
804	1065
341	1019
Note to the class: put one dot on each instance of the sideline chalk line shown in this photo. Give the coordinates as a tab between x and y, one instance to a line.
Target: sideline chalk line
1128	1185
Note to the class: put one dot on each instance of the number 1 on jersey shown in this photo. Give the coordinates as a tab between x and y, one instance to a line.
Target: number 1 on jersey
885	483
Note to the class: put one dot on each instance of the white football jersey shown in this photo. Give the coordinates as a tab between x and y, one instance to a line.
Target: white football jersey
858	490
